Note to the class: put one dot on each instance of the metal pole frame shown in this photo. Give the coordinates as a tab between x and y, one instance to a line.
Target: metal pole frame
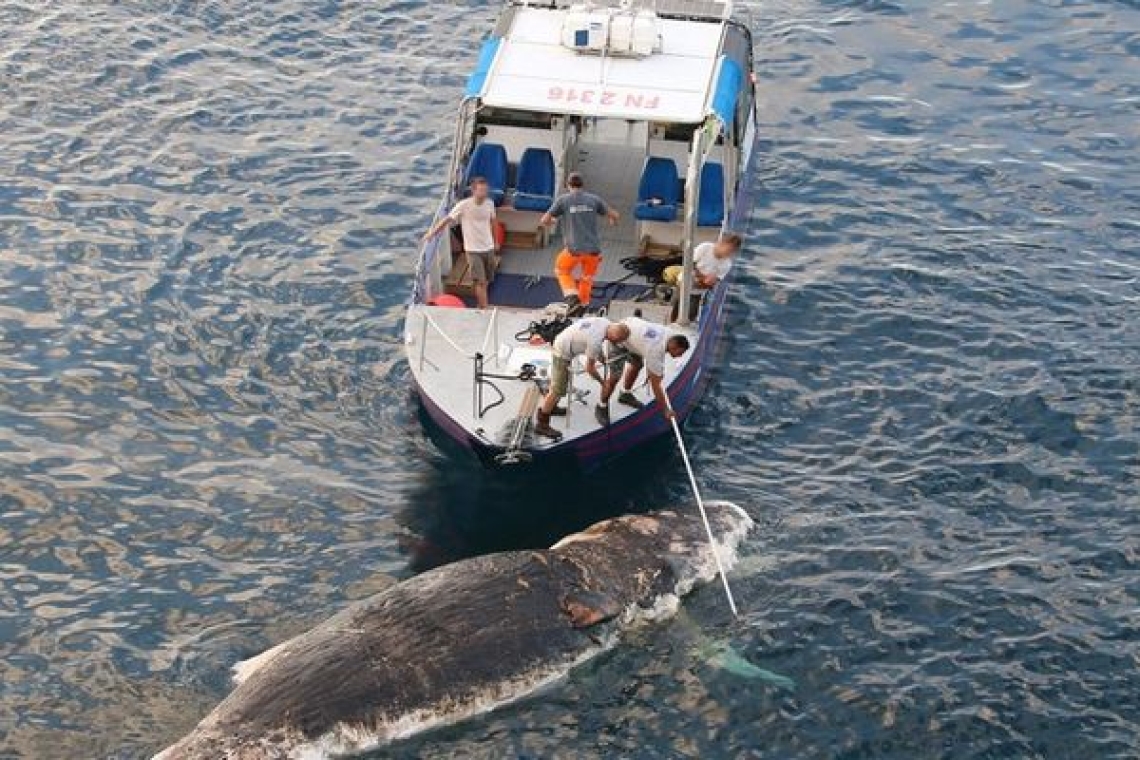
477	388
423	343
692	201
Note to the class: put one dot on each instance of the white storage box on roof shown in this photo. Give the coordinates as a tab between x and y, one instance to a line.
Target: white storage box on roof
586	30
635	33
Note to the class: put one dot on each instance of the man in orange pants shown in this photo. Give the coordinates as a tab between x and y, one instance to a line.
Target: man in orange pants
580	211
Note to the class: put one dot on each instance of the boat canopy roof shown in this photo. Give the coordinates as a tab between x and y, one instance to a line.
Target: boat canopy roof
527	64
690	9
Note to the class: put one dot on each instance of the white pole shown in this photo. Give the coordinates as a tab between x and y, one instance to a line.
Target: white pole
569	391
701	506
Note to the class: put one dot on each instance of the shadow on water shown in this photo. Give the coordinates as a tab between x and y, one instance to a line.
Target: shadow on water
462	509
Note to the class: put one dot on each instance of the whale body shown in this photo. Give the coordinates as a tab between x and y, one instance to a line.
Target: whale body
461	639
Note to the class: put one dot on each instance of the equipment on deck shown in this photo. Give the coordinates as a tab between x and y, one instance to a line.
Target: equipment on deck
516	430
555	318
650	268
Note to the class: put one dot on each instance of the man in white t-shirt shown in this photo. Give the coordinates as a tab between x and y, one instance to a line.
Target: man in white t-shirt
594	338
646	346
475	216
711	262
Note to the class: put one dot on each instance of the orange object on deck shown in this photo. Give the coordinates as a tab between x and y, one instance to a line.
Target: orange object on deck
449	301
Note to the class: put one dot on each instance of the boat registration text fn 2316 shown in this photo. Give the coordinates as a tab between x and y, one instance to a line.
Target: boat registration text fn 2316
603	98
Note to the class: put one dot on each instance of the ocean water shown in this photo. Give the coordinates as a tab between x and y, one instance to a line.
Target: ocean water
930	397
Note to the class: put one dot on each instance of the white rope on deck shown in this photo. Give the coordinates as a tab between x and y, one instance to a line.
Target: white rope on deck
445	336
492	329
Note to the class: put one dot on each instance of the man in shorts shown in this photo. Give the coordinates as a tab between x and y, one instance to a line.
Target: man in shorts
646	346
475	216
579	211
594	338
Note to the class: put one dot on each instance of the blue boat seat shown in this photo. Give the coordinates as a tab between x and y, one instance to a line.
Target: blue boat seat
657	194
534	190
710	209
489	161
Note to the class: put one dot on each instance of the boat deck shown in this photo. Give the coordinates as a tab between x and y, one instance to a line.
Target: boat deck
612	169
442	344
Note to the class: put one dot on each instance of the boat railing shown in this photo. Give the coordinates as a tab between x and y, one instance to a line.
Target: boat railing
480	377
429	322
492	335
697	10
490	339
429	274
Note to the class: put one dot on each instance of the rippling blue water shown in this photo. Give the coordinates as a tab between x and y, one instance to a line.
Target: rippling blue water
930	403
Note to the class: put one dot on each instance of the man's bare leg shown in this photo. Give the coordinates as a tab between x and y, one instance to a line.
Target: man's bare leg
608	387
629	376
626	396
549	401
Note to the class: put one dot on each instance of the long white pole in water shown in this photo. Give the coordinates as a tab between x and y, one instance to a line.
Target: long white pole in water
701	506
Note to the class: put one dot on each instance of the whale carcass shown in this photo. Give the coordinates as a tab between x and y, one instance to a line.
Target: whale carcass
460	639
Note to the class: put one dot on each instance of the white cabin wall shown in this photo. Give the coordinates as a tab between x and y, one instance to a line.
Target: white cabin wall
635	134
674	149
